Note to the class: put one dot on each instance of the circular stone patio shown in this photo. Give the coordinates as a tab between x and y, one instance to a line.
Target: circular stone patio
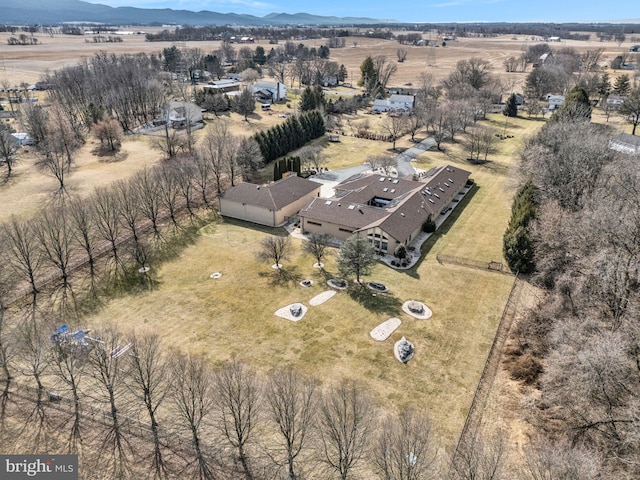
334	283
416	309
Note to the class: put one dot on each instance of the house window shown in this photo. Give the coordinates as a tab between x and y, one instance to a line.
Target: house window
345	230
309	222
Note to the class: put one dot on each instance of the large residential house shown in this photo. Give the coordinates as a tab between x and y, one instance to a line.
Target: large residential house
388	211
269	92
272	204
395	103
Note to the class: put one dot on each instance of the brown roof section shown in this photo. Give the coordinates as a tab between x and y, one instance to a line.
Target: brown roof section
273	196
344	213
411	202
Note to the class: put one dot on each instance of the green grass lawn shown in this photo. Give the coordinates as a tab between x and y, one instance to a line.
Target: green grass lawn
234	314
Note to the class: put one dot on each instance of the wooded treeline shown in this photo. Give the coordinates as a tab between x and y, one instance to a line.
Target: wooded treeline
579	350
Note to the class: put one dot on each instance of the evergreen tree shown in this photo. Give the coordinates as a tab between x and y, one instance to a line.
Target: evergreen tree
368	75
622	86
511	108
604	86
277	172
245	104
342	74
307	100
518	245
259	57
575	108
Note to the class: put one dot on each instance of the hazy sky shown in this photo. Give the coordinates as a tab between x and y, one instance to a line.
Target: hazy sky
416	10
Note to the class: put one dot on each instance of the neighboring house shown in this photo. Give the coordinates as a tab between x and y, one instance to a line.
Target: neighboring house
553	39
271	205
264	96
329	81
614	101
275	90
181	114
395	103
519	99
554	101
223	86
23	139
388	211
626	143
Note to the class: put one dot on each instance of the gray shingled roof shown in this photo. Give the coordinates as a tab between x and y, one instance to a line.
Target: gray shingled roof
273	196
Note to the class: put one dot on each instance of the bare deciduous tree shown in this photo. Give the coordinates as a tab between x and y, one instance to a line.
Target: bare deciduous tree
345	422
317	245
149	380
8	150
238	400
213	150
108	221
545	461
275	249
148	191
24	252
54	233
109	132
83	231
193	397
480	456
108	365
395	126
386	163
291	401
405	448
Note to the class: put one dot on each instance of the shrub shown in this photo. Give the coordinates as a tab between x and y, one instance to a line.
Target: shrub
429	226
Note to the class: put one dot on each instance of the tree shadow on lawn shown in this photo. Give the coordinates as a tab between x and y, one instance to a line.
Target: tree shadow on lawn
443	230
283	277
376	302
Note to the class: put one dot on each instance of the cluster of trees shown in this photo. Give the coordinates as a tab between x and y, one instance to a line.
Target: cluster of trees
286	164
166	414
121	228
124	87
579	347
375	74
22	39
560	72
290	135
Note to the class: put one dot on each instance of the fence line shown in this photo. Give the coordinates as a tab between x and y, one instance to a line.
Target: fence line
472	263
491	365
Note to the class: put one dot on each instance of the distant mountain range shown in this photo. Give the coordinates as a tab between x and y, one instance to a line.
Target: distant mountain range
30	12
